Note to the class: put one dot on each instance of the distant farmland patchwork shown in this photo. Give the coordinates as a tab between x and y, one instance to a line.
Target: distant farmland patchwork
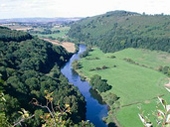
62	31
57	33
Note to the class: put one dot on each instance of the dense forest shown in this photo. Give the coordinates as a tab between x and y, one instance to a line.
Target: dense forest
29	69
8	35
118	30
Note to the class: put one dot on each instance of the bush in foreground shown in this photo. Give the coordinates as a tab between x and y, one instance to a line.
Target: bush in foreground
162	115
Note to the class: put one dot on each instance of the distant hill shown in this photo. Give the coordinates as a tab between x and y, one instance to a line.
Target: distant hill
117	30
39	20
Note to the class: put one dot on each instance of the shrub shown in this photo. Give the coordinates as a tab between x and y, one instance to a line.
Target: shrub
162	115
100	84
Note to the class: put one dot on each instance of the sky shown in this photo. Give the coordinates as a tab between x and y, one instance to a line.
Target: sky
77	8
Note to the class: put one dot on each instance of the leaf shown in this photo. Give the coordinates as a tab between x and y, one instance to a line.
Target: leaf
47	115
168	119
167	89
45	91
50	99
167	108
26	115
167	125
161	112
44	125
3	99
148	124
67	105
142	118
160	116
24	111
20	112
163	102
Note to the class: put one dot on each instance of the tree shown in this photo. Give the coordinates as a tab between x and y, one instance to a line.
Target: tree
28	67
76	65
100	84
3	119
53	116
57	116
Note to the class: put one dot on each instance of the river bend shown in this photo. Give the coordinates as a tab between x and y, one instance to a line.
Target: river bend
94	110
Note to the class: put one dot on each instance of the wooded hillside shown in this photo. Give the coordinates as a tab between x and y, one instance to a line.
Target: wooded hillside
118	30
29	67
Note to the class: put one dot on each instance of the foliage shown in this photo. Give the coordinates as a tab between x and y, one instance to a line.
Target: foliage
25	115
56	118
86	53
111	98
51	118
127	78
57	115
118	30
3	119
30	66
162	115
76	65
50	31
7	35
99	84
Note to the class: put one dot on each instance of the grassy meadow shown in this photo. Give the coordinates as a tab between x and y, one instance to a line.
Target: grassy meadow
136	85
62	33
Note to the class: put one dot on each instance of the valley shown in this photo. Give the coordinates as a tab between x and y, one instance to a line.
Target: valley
136	85
127	52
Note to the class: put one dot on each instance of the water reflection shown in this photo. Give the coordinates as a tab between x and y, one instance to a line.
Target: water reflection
96	96
96	110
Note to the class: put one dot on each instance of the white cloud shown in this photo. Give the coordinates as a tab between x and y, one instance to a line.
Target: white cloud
2	5
70	8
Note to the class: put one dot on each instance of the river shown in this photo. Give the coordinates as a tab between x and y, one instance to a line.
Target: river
95	111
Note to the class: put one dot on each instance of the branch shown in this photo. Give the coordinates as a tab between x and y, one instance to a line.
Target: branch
22	120
35	102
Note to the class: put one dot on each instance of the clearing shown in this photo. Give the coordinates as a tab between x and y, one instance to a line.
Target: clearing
69	46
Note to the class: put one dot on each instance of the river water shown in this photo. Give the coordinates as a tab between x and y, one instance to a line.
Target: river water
95	111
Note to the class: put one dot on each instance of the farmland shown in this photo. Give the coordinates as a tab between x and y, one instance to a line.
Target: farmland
55	33
137	83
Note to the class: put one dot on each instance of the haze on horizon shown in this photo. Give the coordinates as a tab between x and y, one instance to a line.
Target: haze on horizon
77	8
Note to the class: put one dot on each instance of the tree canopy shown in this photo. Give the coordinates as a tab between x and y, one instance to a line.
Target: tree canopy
100	84
118	30
28	67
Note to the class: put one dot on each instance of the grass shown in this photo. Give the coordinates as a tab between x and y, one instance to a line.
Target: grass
145	25
154	59
134	84
130	114
62	33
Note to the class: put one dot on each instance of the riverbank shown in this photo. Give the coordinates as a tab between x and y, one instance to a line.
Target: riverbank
130	82
95	111
110	119
114	122
69	46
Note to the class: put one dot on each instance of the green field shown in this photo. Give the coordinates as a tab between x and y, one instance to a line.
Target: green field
135	84
62	33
